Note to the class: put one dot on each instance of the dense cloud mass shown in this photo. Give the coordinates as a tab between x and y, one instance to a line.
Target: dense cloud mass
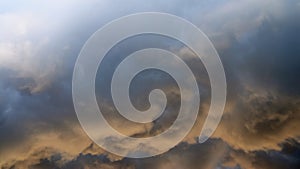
258	43
214	153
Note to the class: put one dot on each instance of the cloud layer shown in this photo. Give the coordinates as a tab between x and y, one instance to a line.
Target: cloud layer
258	43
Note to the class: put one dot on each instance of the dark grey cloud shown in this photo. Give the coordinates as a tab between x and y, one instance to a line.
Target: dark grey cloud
258	43
215	153
270	56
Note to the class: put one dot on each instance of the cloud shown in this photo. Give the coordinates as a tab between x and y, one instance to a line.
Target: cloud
214	153
257	42
260	121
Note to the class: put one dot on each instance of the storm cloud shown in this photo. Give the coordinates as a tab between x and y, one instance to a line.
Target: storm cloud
258	43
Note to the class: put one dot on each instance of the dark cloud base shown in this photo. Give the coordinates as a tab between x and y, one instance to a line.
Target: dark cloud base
215	153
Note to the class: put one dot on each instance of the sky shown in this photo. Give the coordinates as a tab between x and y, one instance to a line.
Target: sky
258	44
